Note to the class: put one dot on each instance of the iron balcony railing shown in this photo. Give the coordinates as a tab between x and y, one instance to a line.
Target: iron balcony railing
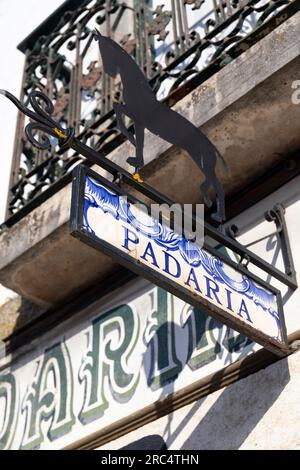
178	44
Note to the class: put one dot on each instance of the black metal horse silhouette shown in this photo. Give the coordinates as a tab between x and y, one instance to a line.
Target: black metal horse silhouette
140	105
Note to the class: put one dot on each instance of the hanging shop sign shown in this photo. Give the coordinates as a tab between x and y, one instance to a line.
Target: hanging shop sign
105	218
101	217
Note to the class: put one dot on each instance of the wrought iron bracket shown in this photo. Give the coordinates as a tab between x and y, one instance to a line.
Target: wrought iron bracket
276	215
46	125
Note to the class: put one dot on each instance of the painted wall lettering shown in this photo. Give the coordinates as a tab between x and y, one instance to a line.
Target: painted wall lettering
160	336
49	396
203	345
108	358
8	396
110	365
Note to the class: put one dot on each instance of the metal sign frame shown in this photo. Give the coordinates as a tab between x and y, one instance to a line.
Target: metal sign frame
78	230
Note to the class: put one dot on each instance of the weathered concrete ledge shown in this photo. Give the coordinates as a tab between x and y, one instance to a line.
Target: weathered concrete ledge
245	109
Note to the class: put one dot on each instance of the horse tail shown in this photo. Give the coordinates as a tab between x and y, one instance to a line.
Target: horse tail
224	163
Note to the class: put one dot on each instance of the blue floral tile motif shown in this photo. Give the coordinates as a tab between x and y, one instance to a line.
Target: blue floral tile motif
98	196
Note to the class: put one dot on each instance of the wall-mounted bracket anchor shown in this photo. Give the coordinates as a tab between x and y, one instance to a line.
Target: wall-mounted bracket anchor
276	215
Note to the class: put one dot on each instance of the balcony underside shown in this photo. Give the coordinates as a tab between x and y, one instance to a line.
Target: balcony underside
245	109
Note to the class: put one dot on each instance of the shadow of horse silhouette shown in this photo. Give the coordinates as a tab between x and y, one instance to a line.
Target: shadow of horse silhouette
146	112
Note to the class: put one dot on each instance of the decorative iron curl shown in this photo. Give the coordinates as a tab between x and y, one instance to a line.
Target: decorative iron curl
34	96
44	142
274	215
42	120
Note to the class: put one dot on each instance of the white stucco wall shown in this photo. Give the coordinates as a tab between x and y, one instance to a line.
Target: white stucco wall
261	412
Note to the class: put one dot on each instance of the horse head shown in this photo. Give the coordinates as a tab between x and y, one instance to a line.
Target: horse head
108	52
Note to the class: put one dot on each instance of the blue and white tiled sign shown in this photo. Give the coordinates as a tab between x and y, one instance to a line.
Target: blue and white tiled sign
114	220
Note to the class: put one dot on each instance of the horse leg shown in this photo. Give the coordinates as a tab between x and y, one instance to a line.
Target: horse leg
219	216
121	109
207	170
204	187
138	161
207	165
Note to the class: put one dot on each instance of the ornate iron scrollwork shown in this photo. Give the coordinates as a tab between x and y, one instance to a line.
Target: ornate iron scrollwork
43	121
